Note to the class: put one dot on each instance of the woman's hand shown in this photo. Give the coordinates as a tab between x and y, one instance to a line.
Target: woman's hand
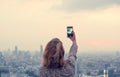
73	39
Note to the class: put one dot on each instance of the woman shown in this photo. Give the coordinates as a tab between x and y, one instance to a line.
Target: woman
54	64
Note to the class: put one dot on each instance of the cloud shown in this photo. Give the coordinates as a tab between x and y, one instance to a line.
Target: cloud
76	5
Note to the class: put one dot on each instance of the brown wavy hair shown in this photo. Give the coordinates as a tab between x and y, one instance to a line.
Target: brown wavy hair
53	56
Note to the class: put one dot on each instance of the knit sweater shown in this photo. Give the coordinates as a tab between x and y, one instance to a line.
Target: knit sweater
68	70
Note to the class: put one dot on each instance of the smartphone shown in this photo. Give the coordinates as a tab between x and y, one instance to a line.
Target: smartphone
69	31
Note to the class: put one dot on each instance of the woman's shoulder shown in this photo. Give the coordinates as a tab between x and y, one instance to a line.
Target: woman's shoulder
70	62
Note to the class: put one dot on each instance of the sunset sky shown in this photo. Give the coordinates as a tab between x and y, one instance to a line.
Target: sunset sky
30	23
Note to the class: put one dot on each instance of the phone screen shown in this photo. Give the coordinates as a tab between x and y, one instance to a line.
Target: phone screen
69	31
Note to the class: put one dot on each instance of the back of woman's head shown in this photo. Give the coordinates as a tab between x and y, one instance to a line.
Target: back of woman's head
54	54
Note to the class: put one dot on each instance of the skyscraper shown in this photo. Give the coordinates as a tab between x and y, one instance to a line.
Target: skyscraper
105	73
41	51
15	52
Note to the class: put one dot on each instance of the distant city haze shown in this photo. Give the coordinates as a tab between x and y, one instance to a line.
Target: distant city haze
31	23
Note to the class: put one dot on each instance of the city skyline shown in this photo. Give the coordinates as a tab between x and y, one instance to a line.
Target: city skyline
28	24
24	64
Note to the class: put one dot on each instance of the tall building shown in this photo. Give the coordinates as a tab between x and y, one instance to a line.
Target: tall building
15	52
105	73
41	50
41	53
16	48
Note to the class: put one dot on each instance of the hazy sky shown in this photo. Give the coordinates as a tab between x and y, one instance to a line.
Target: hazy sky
29	23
